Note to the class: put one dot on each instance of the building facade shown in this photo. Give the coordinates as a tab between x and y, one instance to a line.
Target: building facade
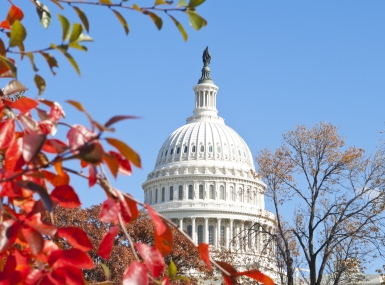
202	181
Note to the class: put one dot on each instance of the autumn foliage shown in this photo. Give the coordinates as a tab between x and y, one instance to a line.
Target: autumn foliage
35	180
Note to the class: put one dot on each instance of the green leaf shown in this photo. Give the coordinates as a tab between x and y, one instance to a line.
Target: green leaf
180	28
31	58
83	18
196	21
162	2
77	46
50	60
18	34
11	66
65	24
72	61
40	83
182	3
77	30
84	38
195	3
105	1
157	20
122	21
2	48
137	8
171	271
44	14
106	270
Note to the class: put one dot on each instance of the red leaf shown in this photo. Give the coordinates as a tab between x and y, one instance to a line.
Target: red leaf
166	281
133	208
65	196
71	257
34	239
160	227
136	274
36	223
152	258
258	276
54	146
24	104
203	249
115	119
33	277
109	211
7	132
38	189
92	175
164	242
5	25
9	230
32	144
14	13
76	237
105	246
74	275
232	279
124	164
57	180
13	156
124	209
79	135
56	112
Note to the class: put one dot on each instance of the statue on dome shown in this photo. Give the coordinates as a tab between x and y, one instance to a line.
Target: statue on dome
206	57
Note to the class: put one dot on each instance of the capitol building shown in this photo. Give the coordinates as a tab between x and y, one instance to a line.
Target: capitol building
202	180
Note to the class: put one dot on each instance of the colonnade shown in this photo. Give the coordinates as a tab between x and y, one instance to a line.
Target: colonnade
235	234
204	99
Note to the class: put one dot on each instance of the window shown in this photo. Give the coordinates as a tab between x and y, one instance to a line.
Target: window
239	152
163	194
185	149
233	150
232	193
222	193
200	234
171	151
240	194
244	154
178	150
180	194
249	240
156	195
222	240
202	148
171	193
211	191
210	148
193	148
166	152
218	149
161	154
200	191
189	230
211	235
190	192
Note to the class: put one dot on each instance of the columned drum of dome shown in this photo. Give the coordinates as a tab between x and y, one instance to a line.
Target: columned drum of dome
205	166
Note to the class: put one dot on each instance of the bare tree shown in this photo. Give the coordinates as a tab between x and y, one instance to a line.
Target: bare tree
339	193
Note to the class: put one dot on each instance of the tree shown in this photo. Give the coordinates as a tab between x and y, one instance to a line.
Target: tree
36	175
184	254
340	195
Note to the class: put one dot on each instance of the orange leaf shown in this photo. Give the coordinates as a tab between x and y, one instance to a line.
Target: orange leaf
232	279
164	242
203	249
5	25
14	13
133	208
126	151
258	276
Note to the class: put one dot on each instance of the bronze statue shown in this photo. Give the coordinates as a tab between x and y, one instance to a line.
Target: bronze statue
206	57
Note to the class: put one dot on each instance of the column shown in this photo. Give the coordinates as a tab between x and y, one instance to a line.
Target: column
181	223
206	240
227	236
193	230
243	236
219	232
231	233
255	239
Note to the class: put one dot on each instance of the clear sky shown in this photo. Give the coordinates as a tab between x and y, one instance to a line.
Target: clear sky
277	64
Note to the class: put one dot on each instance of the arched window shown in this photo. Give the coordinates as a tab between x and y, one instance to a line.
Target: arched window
185	149
171	151
171	193
163	194
222	240
240	195
166	152
211	192
210	148
190	192
202	148
193	148
156	196
239	152
222	193
200	234
189	230
180	194
232	193
211	235
218	149
178	150
200	191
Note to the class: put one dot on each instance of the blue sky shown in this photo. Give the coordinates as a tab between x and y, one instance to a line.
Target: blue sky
277	64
